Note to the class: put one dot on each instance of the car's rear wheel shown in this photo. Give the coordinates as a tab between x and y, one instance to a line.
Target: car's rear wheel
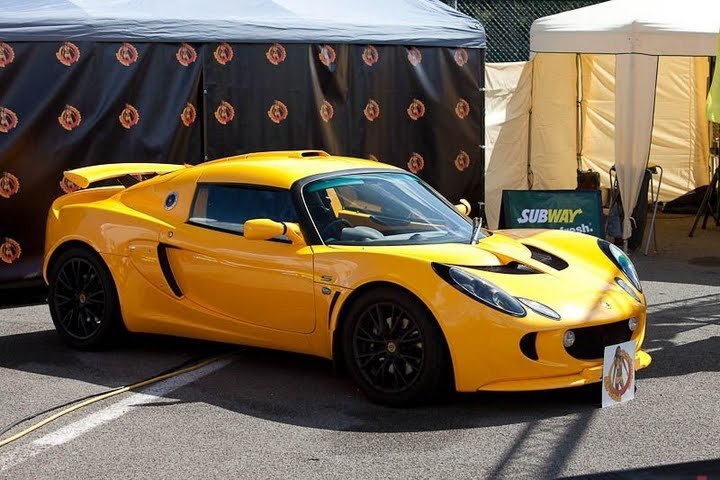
394	349
83	300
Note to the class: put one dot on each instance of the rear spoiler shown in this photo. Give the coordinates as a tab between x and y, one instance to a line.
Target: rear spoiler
82	177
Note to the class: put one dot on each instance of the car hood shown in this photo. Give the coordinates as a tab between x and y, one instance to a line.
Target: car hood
565	270
494	250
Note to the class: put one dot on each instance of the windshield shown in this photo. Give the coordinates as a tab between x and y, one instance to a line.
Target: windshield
382	209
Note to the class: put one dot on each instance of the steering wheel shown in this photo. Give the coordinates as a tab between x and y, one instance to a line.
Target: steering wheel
334	228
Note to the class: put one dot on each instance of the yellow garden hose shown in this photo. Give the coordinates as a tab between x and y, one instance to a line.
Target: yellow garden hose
112	393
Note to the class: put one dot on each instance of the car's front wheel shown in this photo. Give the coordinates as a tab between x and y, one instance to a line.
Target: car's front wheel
394	349
83	300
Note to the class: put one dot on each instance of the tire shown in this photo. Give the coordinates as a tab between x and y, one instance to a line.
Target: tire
394	349
83	300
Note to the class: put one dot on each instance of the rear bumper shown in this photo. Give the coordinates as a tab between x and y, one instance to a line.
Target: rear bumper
584	377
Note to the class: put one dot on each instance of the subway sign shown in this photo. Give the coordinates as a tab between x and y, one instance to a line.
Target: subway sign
574	210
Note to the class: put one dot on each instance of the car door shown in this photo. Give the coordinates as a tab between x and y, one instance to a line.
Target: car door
266	283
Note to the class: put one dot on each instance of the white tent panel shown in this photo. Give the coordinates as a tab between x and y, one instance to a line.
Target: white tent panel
637	32
651	27
680	137
411	22
598	114
553	151
634	104
508	89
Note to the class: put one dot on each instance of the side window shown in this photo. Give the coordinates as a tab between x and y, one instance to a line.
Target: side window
228	207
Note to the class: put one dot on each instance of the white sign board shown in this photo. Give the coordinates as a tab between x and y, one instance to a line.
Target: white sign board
618	379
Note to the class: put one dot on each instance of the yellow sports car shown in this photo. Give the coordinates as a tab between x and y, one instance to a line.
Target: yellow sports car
342	258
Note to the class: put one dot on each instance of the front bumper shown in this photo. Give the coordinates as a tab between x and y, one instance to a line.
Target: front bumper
489	351
584	377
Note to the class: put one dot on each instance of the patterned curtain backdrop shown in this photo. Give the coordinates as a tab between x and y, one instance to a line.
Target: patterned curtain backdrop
417	108
70	104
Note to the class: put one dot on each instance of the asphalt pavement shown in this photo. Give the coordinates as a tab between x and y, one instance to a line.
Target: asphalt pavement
263	414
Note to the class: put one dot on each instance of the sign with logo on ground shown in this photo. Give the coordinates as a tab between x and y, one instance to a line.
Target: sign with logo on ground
618	380
575	210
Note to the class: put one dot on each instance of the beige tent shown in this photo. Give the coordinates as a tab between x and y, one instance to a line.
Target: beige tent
618	83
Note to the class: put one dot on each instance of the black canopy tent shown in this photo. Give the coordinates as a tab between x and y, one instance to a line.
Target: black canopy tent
85	82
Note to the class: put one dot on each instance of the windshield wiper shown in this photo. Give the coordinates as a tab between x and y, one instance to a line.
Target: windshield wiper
475	236
477	224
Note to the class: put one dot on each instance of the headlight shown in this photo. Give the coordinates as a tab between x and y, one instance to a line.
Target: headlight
627	288
622	261
479	289
540	308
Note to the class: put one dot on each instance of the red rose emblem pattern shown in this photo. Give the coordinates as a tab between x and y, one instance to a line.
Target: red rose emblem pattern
129	116
416	162
414	56
10	250
223	54
188	114
127	54
462	160
68	53
416	110
68	186
462	108
7	54
224	113
9	185
186	55
326	55
370	55
276	54
278	112
326	111
8	120
371	110
70	118
461	57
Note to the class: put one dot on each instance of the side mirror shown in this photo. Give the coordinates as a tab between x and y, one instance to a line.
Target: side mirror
463	207
266	229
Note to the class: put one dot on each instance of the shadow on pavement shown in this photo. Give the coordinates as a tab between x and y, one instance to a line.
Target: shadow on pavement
681	259
32	293
675	355
305	391
280	386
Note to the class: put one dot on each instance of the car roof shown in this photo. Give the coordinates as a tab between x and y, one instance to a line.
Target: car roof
281	169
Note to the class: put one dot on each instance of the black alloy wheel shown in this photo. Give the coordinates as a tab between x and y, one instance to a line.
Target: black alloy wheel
388	348
82	299
394	349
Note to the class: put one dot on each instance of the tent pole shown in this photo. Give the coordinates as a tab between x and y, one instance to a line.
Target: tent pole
529	175
578	111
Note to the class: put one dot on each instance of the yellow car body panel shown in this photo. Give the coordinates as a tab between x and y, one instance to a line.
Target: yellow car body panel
478	363
227	288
